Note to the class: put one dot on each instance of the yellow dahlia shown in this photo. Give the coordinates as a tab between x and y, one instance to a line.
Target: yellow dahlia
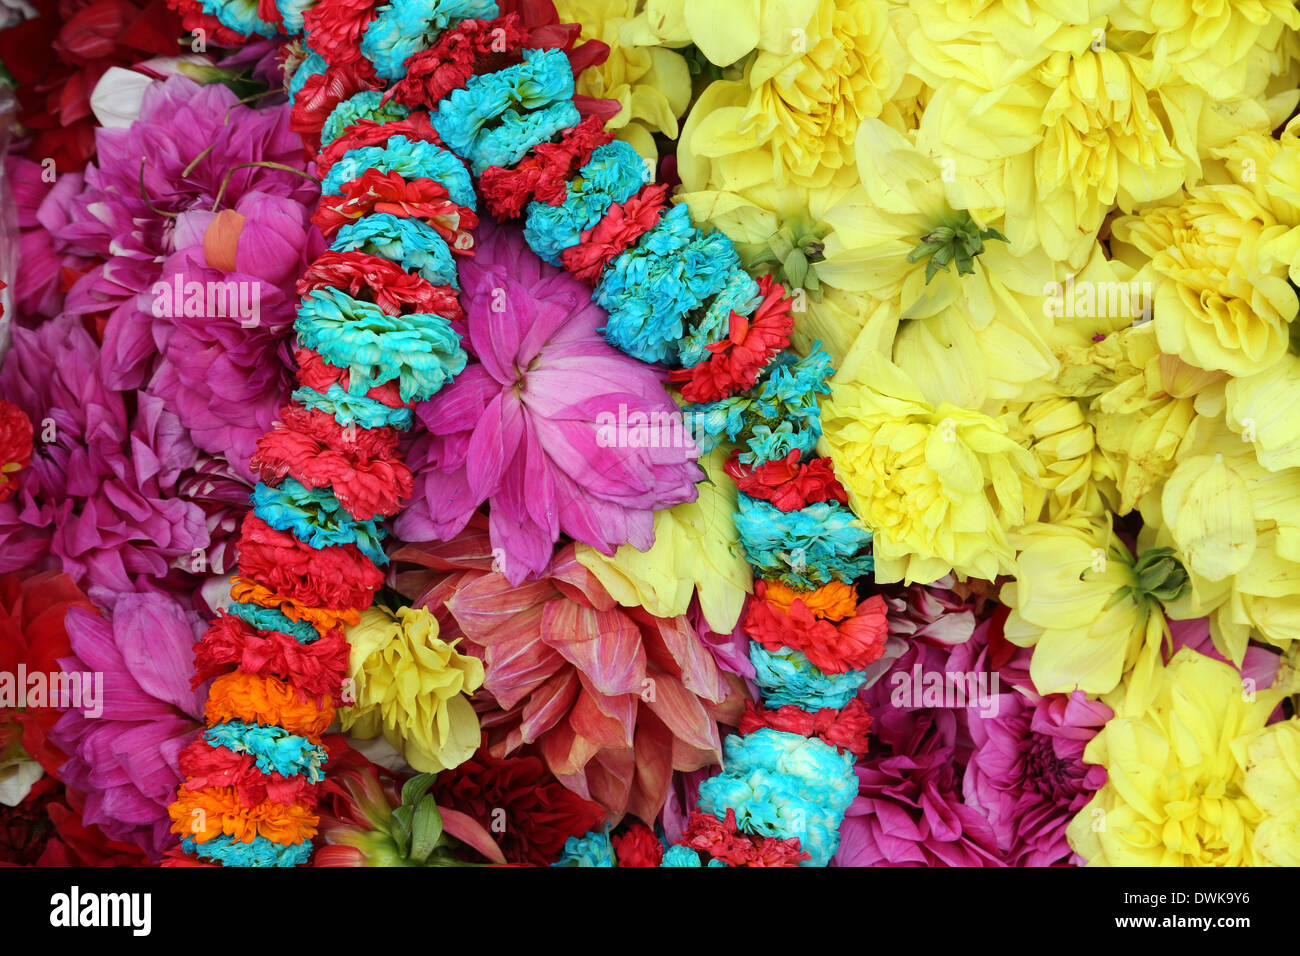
1177	791
1222	299
1272	780
411	686
653	84
1093	614
939	485
696	548
797	108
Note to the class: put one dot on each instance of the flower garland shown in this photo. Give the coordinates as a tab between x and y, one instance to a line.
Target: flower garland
674	295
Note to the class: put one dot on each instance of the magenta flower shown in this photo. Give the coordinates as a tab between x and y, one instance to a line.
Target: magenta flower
520	428
124	757
189	138
41	210
1027	773
122	502
227	376
910	809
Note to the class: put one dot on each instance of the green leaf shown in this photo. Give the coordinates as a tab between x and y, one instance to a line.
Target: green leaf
413	790
426	829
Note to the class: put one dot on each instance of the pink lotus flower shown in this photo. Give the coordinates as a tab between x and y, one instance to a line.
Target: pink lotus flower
613	699
519	429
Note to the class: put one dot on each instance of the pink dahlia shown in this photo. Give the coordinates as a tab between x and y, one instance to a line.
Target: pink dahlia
186	142
124	758
521	428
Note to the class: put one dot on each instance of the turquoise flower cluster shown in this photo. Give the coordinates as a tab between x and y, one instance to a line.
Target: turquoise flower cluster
368	104
411	159
779	414
787	676
422	351
786	786
272	748
592	849
240	16
229	851
650	288
495	118
291	12
805	548
316	518
614	172
314	65
273	619
406	241
349	409
404	27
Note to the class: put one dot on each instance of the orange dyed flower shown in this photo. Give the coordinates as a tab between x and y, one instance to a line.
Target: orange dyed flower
206	814
832	602
323	619
267	700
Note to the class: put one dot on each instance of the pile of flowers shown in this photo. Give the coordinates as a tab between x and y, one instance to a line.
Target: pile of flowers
646	433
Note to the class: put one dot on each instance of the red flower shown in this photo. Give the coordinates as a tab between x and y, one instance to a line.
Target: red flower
750	344
527	810
380	192
32	608
638	846
15	446
470	46
230	642
721	840
47	829
544	173
620	227
206	766
195	18
846	728
337	577
361	465
324	91
335	27
850	644
788	483
366	132
382	281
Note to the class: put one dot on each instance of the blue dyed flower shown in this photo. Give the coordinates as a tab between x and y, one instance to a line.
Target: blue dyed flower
739	295
679	855
316	518
805	548
354	409
409	242
314	65
240	16
229	851
788	677
421	351
273	619
411	159
272	748
594	849
507	144
614	172
650	289
404	27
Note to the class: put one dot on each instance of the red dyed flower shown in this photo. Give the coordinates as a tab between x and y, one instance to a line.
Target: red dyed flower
750	344
638	846
544	173
788	483
206	766
337	577
15	446
383	282
195	18
229	643
528	811
361	465
721	840
324	91
314	372
620	227
336	26
470	46
379	192
850	644
846	728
